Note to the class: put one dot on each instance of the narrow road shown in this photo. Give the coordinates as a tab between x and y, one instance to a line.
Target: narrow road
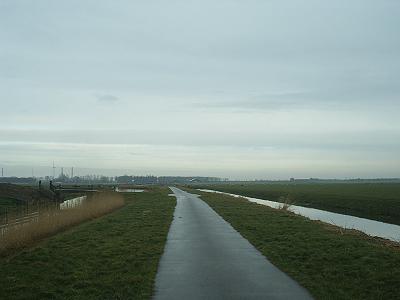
205	258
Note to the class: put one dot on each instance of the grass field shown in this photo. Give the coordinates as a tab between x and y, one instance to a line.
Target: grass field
53	220
112	257
330	263
15	198
377	201
7	205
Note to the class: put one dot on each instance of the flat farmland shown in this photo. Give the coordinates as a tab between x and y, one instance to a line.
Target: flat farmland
377	201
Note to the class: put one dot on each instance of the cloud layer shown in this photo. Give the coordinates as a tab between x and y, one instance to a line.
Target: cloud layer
236	89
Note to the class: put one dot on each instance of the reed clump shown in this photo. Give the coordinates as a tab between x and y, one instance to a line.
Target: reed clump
53	220
286	201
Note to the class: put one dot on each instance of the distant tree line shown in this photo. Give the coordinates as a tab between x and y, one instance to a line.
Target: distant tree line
163	179
100	179
20	180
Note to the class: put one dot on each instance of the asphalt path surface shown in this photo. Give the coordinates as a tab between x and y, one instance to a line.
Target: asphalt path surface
205	258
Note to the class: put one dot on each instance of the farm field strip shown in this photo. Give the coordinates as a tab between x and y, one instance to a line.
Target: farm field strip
375	201
370	227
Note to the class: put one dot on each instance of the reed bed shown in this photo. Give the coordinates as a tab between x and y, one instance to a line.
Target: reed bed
54	220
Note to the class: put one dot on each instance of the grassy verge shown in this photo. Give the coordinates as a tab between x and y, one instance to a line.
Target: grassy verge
54	220
112	257
377	201
330	263
7	205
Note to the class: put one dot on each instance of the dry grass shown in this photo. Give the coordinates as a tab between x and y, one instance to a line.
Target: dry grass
286	201
52	221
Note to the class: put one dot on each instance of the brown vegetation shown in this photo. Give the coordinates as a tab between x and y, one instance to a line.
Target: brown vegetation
53	220
286	203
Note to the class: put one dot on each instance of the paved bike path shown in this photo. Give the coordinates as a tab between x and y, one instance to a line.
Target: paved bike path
205	258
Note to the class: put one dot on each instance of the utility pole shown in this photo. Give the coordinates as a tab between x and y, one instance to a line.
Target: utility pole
2	172
72	172
54	170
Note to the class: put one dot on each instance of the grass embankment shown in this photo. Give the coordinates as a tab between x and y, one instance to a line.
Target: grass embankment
22	199
8	205
377	201
54	220
112	257
330	263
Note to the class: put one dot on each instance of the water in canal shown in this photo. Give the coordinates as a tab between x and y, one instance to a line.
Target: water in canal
122	190
370	227
74	202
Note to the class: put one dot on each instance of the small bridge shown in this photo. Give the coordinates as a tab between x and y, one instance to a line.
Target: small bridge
75	190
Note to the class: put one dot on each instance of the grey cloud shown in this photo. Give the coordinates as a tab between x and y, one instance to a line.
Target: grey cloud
107	98
384	139
201	73
343	97
265	101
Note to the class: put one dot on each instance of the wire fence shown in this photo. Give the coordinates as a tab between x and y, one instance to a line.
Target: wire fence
31	213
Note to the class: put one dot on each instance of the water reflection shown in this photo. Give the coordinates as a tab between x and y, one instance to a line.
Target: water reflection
370	227
74	202
122	190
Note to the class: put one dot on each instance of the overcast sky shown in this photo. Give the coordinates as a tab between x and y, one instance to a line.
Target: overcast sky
238	89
